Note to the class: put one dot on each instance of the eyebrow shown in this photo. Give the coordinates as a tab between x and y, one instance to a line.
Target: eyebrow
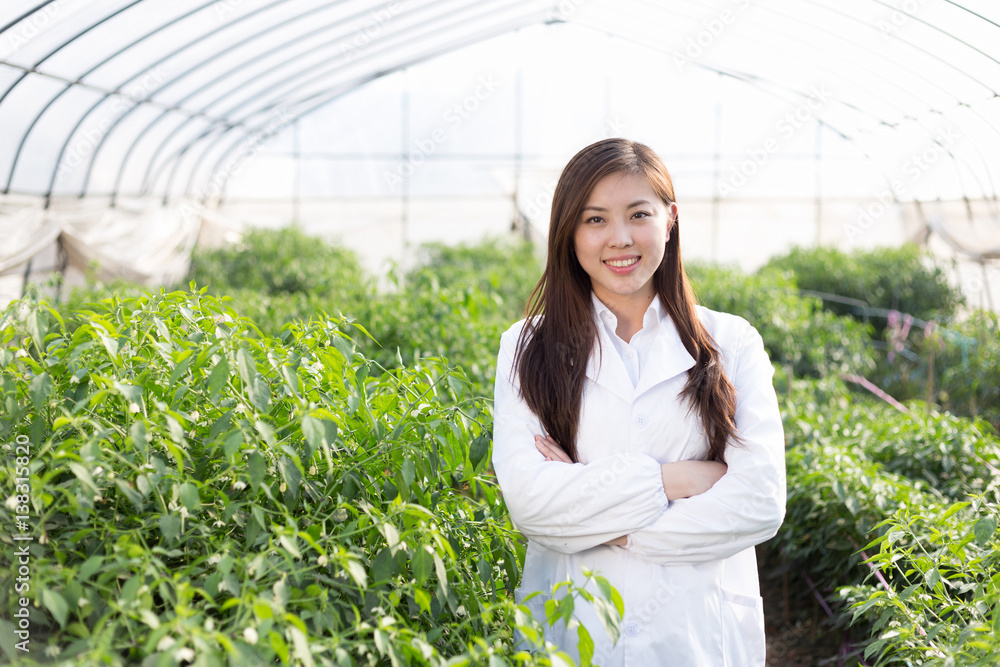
632	205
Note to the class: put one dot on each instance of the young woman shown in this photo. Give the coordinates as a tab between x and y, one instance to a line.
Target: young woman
636	433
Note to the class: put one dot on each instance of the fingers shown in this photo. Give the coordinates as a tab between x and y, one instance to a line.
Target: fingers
550	450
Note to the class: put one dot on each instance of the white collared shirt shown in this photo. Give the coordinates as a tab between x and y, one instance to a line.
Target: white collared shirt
634	352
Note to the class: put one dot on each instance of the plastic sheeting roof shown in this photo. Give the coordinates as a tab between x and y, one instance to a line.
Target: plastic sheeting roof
140	97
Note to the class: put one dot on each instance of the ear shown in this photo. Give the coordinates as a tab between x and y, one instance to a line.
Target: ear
671	218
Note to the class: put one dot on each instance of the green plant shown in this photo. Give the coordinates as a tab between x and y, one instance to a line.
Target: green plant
899	278
937	596
201	492
797	332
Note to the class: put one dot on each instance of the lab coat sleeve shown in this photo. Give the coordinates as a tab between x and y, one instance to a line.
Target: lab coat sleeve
747	505
561	506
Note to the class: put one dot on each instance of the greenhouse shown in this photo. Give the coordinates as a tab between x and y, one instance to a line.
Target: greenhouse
256	259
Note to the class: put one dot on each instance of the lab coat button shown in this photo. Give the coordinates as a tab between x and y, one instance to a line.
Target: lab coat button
633	629
641	421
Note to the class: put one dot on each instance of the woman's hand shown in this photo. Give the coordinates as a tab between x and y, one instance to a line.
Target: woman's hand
683	479
550	450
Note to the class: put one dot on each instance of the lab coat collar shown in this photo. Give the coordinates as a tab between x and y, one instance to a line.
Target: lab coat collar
667	356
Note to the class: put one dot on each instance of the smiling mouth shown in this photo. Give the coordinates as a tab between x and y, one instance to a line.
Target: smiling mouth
621	263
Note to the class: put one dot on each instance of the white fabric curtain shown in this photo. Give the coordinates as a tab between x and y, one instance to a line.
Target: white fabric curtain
138	240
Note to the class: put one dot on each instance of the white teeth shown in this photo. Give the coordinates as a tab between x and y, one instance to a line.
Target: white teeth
622	263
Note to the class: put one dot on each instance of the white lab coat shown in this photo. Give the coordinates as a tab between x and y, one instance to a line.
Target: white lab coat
688	576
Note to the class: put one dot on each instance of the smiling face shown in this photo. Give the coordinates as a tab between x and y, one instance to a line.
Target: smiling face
620	240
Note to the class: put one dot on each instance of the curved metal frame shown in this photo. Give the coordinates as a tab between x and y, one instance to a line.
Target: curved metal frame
308	86
779	46
305	70
323	74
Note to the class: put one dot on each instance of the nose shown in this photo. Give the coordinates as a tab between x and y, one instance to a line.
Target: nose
619	234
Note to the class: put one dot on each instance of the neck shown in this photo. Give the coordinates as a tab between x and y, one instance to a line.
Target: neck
629	311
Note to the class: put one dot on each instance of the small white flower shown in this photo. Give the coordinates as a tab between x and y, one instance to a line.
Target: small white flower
210	624
185	654
165	643
133	408
239	485
283	487
83	602
313	471
250	634
322	560
214	558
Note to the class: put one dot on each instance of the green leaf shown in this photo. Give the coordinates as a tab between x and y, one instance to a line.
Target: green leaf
955	507
314	433
423	599
257	468
56	605
585	643
246	365
232	443
131	393
189	496
39	390
279	646
291	545
133	496
38	327
984	529
83	475
170	527
260	393
478	450
217	379
357	572
442	573
422	563
409	472
140	436
266	432
384	565
292	476
89	567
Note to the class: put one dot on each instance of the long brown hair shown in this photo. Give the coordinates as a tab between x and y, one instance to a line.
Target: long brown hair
553	350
